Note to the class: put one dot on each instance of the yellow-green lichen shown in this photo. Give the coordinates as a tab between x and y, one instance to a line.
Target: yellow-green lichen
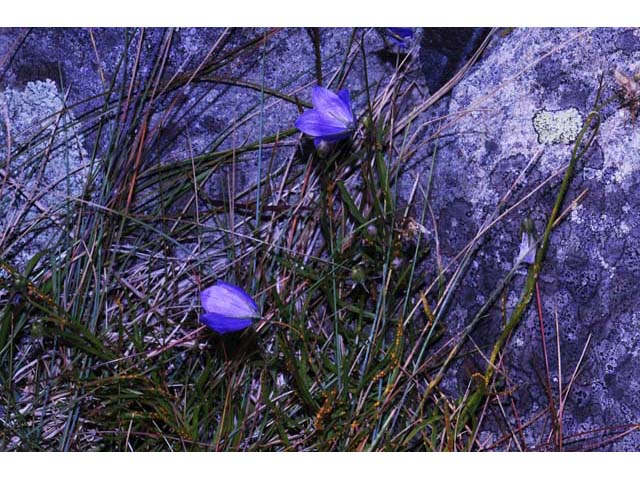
562	126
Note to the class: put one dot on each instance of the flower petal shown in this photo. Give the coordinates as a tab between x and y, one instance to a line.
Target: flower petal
527	252
402	32
228	300
330	104
333	138
314	123
221	324
346	99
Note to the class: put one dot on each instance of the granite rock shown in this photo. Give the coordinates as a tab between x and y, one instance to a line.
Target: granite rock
530	93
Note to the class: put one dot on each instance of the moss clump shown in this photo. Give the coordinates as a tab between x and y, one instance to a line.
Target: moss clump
557	127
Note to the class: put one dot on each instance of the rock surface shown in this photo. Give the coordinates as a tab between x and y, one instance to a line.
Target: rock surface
531	92
42	177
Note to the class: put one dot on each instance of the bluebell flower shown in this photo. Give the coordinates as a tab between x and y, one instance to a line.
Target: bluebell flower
527	253
228	308
331	118
401	36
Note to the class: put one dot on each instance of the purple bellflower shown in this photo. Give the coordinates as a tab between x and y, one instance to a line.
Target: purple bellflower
331	118
401	36
228	308
527	252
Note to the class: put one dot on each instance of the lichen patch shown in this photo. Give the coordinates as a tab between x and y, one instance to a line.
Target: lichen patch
561	126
